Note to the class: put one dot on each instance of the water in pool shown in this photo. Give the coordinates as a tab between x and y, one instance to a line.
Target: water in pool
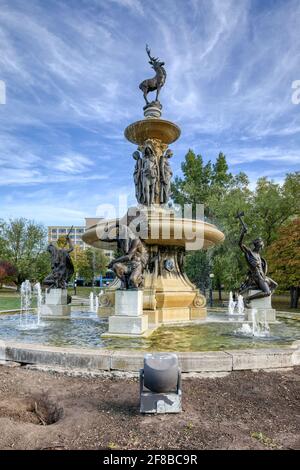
84	330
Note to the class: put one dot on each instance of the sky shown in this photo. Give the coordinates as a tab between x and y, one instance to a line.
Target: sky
71	71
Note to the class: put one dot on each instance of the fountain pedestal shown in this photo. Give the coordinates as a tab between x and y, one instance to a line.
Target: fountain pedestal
128	319
56	304
263	307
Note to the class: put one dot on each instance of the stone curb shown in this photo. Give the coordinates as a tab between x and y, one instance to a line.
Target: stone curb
127	361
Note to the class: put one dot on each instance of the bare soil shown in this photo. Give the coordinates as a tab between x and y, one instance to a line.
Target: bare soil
244	410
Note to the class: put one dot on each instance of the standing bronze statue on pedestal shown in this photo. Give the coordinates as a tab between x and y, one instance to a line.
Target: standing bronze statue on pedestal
157	82
257	275
62	268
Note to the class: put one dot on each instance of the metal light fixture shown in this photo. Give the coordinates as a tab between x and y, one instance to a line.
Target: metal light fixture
160	384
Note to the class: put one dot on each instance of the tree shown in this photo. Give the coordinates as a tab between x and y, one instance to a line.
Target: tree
194	187
23	243
8	272
223	195
62	241
273	204
89	263
197	267
284	260
266	208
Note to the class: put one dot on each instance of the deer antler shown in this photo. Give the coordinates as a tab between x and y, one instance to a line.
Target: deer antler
152	59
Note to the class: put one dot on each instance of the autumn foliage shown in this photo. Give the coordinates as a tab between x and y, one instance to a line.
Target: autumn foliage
284	259
8	272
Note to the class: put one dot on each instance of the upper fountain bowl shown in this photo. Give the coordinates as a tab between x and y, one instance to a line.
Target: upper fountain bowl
157	227
165	131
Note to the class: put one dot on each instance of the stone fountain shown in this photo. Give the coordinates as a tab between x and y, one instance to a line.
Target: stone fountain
164	293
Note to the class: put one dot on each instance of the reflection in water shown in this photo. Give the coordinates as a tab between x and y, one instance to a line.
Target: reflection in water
84	329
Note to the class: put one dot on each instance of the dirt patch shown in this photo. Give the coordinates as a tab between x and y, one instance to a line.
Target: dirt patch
245	410
38	409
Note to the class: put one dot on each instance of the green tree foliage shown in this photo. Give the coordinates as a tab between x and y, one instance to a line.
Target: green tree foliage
267	207
197	267
193	188
274	204
284	259
23	243
89	263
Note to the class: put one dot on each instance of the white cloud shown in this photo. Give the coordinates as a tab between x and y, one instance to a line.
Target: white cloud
73	163
72	78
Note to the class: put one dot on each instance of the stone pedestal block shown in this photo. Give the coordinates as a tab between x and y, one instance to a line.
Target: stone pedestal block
56	303
263	307
56	297
128	319
129	326
129	302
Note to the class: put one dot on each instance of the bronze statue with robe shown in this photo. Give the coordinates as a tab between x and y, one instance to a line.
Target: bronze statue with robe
138	177
149	177
62	268
165	177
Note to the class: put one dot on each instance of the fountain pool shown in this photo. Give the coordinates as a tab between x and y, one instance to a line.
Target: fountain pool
84	329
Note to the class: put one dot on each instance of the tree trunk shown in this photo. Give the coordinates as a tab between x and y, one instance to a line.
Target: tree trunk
294	291
220	290
296	297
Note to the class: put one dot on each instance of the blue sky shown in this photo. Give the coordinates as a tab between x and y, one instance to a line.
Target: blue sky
72	70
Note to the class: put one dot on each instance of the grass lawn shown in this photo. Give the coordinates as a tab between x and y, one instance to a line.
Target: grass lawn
9	300
280	302
84	291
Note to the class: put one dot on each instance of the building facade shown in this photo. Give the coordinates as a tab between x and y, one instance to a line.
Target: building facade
56	231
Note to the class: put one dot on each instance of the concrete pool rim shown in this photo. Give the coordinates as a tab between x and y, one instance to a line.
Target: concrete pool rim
88	360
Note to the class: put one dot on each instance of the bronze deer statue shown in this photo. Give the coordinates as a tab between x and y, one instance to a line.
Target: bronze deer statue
155	83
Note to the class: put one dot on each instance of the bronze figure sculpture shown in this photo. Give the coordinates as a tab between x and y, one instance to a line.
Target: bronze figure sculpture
257	275
165	177
129	267
157	82
62	268
149	176
138	177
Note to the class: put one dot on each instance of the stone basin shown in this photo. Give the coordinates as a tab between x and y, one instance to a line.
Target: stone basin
161	229
160	129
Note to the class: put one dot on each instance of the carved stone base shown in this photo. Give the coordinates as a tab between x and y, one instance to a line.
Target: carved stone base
56	304
153	110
